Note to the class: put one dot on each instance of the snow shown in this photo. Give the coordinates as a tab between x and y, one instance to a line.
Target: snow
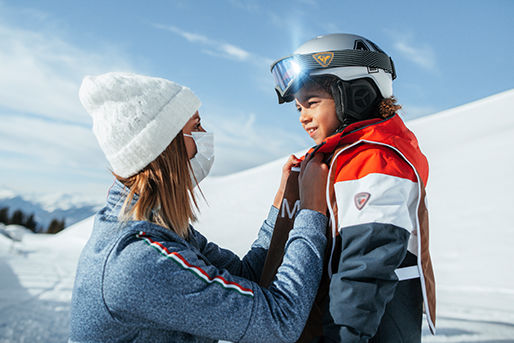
64	201
470	188
470	199
36	283
6	192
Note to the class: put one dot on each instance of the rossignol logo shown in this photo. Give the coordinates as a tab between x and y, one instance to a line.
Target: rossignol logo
361	199
323	58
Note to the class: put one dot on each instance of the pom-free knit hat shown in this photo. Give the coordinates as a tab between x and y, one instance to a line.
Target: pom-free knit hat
135	117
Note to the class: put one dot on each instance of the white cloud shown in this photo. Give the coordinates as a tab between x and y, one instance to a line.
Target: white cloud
45	136
41	73
421	54
50	156
217	48
235	51
55	143
192	37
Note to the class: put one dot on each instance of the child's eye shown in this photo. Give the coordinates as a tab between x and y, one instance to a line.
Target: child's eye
312	101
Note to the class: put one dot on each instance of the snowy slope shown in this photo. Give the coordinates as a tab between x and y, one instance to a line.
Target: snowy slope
470	186
470	150
471	154
36	282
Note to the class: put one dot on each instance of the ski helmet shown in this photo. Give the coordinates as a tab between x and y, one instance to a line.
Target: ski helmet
364	73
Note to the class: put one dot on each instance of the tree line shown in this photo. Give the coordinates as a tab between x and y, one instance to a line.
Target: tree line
18	217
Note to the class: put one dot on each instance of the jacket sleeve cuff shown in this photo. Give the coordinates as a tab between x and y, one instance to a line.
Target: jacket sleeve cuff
308	218
265	233
310	223
272	217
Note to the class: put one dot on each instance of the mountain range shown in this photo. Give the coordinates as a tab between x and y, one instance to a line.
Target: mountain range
70	207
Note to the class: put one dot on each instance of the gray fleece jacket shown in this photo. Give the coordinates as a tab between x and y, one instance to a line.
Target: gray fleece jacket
139	282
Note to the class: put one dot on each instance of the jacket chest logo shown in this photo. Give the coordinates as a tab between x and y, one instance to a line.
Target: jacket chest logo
361	199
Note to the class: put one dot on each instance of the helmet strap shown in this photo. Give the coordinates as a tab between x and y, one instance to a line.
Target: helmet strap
337	89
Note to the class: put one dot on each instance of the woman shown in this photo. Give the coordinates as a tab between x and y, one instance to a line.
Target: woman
146	275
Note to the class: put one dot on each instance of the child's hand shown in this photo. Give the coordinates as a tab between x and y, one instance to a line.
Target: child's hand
286	170
313	182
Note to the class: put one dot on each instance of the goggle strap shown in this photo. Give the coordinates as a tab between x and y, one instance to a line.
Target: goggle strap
349	58
345	58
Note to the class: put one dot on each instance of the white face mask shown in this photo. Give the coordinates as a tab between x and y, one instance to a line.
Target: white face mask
204	158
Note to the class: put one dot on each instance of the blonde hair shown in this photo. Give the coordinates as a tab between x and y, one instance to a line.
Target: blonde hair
165	191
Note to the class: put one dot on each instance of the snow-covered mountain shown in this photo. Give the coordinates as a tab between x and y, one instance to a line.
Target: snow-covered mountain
470	200
70	207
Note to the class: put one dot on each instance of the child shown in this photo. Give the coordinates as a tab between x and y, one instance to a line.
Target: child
379	271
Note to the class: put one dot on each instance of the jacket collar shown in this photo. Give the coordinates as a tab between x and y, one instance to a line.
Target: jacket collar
390	131
331	143
116	197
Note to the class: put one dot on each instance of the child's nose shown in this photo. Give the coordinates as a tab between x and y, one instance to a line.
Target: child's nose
304	116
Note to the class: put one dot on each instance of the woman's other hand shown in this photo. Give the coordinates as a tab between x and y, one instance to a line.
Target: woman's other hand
312	182
286	170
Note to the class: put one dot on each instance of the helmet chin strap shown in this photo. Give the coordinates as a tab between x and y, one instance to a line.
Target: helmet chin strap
337	89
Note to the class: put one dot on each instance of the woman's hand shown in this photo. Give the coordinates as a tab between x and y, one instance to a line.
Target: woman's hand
286	170
312	182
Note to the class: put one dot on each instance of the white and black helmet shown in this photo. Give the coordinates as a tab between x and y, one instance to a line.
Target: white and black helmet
364	71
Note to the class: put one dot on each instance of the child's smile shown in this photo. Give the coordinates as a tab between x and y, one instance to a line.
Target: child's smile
317	111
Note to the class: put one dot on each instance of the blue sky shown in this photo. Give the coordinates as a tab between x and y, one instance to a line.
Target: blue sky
447	53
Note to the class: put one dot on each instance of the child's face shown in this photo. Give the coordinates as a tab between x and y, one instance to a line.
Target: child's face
317	112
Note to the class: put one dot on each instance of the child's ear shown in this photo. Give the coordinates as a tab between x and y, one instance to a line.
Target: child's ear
363	97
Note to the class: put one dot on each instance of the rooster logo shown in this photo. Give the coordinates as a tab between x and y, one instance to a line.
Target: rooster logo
323	58
361	199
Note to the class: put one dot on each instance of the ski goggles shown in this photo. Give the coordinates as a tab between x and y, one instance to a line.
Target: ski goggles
290	71
286	73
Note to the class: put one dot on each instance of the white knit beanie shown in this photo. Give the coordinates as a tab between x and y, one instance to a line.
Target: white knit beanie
135	117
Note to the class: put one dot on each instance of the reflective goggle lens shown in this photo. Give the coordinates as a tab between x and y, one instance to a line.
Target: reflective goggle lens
285	72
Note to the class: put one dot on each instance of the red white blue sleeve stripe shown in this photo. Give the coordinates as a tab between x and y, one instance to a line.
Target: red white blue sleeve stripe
197	271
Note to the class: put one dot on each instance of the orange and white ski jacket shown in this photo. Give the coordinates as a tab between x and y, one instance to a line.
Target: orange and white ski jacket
376	200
